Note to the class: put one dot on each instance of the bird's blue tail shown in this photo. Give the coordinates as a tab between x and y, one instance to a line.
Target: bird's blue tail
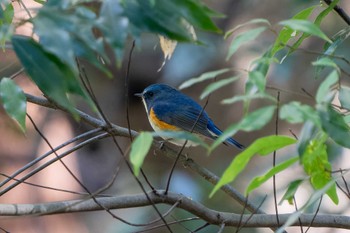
217	132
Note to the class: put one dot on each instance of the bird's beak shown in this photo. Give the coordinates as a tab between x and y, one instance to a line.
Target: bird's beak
139	95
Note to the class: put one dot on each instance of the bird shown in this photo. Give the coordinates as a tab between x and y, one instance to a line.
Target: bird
170	110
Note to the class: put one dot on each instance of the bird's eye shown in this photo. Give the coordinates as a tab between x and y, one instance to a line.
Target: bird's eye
150	94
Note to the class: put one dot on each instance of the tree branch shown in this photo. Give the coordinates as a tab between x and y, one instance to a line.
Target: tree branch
138	200
340	12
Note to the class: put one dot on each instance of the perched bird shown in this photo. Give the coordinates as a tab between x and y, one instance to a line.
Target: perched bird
169	109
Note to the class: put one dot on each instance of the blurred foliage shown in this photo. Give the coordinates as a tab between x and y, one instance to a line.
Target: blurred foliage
68	31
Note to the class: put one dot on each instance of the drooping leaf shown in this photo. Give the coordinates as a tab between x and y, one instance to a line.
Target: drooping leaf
256	83
258	181
139	150
54	78
295	112
291	190
334	125
344	97
325	92
306	27
261	146
217	85
323	62
243	38
203	77
253	121
13	101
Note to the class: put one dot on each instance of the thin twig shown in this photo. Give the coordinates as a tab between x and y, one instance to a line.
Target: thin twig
314	217
340	12
296	209
274	161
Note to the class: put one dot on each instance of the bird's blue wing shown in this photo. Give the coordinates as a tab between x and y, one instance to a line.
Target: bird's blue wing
183	117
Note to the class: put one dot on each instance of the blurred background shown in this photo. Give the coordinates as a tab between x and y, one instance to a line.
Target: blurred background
96	163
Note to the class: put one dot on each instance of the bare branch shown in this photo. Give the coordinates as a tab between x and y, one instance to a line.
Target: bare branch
138	200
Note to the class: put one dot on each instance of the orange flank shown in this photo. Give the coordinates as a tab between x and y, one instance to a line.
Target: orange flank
160	125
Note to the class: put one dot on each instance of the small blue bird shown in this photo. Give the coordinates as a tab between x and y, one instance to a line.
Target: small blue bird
169	109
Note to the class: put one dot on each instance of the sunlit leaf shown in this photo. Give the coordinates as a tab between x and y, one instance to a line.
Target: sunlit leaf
290	193
253	121
203	77
13	101
217	85
139	150
258	181
325	92
306	27
317	166
261	146
243	38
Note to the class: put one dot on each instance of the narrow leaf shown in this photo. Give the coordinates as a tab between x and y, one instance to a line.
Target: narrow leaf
253	21
258	181
334	124
238	98
14	101
344	97
139	150
324	92
262	146
203	77
243	38
295	112
217	85
291	190
306	27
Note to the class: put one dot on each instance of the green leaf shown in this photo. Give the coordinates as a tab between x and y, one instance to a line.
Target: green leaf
258	181
287	33
139	149
262	146
54	78
181	137
216	85
14	101
294	112
256	83
306	27
243	38
334	124
203	77
248	97
324	62
344	97
314	197
290	193
325	92
317	22
253	121
338	39
253	21
316	165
